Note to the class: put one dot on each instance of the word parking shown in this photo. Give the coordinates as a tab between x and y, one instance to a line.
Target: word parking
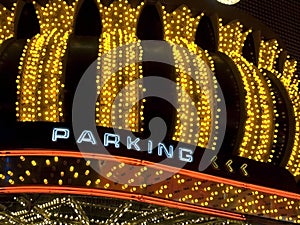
109	139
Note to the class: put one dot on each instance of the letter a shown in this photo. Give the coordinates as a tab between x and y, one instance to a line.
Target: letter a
87	136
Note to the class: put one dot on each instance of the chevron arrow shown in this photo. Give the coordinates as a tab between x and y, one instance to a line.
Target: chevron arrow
243	169
228	165
214	163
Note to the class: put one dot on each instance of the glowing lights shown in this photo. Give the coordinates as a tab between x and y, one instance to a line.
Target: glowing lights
269	53
232	38
228	2
259	126
185	187
40	81
180	29
6	23
260	130
47	212
60	133
119	21
291	82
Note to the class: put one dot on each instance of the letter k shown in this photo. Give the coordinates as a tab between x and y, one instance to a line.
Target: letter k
134	143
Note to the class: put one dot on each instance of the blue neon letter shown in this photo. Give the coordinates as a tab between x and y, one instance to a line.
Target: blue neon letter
169	153
186	155
112	139
87	136
133	143
150	147
60	133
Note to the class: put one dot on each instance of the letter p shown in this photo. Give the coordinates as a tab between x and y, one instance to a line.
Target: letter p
60	133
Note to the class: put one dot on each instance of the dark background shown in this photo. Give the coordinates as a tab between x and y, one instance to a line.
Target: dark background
282	16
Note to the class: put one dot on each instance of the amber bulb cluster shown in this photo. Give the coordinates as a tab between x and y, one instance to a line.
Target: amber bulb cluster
6	22
54	171
119	21
40	80
291	81
193	86
258	132
269	53
40	83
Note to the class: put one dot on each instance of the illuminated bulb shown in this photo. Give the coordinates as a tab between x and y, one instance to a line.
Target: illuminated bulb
259	129
39	82
182	32
228	2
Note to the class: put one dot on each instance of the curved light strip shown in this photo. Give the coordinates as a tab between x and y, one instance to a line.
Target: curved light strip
120	195
180	30
197	175
259	128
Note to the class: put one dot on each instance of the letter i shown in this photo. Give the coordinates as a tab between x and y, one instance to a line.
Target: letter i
150	147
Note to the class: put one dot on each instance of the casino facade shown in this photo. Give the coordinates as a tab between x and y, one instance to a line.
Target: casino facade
74	152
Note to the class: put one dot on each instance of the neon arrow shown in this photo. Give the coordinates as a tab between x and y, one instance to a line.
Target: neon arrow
243	169
228	164
214	163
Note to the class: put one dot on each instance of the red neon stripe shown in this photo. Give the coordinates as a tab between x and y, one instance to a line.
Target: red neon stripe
198	175
121	195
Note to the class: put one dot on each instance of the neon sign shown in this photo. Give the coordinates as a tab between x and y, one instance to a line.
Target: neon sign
110	139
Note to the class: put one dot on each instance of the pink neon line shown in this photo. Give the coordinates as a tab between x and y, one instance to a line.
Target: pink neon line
198	175
121	195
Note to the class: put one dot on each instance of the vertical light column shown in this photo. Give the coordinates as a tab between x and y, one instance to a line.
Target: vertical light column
40	81
119	21
180	29
291	82
259	128
269	52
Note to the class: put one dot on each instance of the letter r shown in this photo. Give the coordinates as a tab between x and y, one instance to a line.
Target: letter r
111	139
